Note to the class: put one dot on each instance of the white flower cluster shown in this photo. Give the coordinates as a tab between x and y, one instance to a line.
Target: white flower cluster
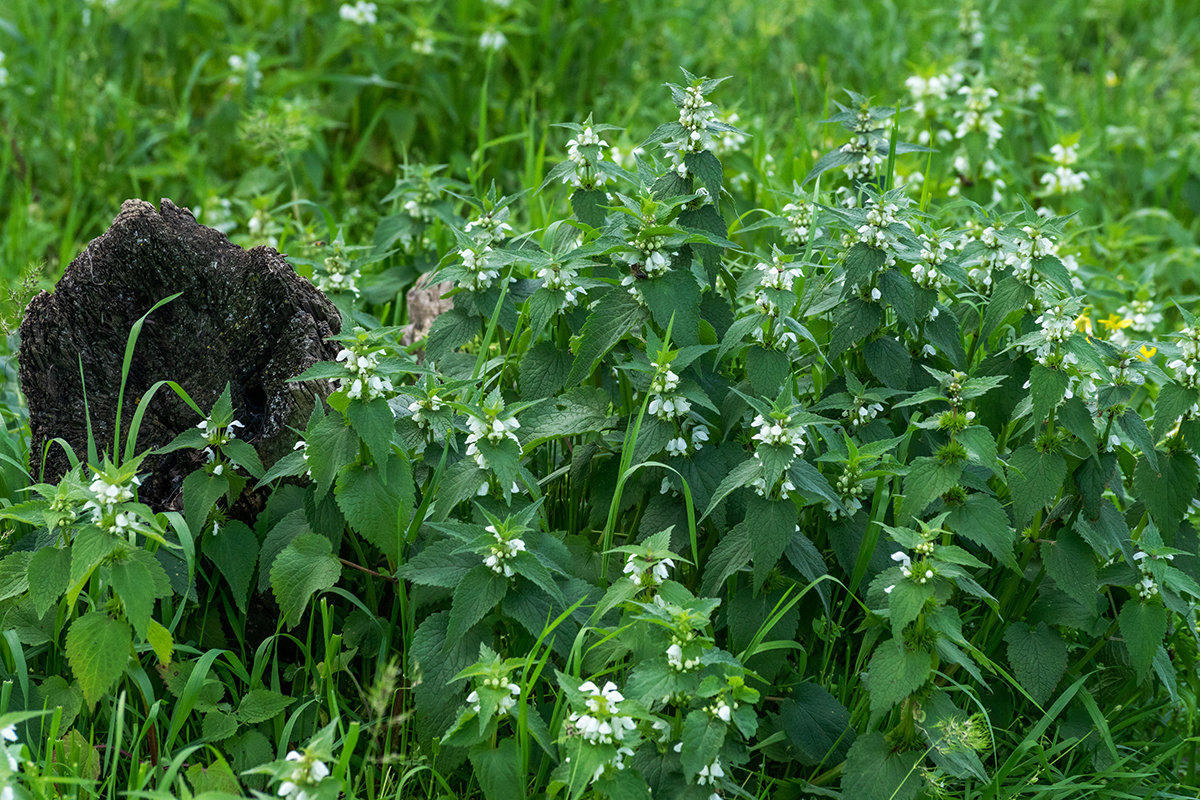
422	405
561	277
994	255
979	113
480	276
850	492
680	446
360	13
1147	587
492	428
663	403
934	252
363	383
1057	323
777	431
309	772
339	276
492	40
799	228
503	551
1063	179
862	411
490	227
874	231
867	161
1141	315
507	703
906	569
655	260
12	754
694	115
926	92
720	709
103	503
1187	366
675	657
245	69
710	773
602	723
778	275
217	435
729	141
586	174
646	573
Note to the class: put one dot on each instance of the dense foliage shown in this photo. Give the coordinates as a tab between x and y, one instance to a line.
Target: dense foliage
875	483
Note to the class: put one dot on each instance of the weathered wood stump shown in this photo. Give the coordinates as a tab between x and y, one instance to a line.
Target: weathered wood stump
244	318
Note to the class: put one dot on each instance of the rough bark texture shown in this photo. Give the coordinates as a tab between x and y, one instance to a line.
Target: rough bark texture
424	303
244	318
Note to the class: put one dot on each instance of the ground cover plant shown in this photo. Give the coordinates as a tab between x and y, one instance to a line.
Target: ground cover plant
851	457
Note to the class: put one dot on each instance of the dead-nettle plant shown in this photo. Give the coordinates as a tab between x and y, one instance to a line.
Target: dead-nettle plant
686	500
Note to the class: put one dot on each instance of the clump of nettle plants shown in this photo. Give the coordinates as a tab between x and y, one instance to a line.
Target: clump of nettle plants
848	493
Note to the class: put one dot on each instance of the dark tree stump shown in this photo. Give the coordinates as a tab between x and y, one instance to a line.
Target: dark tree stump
244	318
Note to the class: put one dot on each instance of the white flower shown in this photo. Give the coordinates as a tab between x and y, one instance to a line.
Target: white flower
361	13
709	774
677	447
9	733
492	40
308	773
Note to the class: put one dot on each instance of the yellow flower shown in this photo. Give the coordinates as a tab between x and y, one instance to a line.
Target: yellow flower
1147	352
1115	323
1083	324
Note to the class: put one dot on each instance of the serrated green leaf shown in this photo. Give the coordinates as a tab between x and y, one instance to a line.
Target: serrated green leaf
817	725
55	692
982	520
773	523
1038	658
14	574
1070	562
889	361
1143	626
579	410
234	549
927	479
874	772
1168	490
218	726
675	296
377	508
134	585
498	770
49	576
91	546
260	705
161	642
332	444
1047	387
1173	402
433	661
856	321
1135	429
906	601
543	371
767	370
613	316
374	423
862	262
702	738
707	169
243	454
894	673
1035	479
477	594
450	330
731	554
98	649
201	491
1008	296
588	206
306	566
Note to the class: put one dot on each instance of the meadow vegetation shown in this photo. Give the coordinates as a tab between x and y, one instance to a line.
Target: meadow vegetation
816	416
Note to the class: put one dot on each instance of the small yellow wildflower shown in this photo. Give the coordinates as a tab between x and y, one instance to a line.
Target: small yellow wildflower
1083	324
1147	352
1115	323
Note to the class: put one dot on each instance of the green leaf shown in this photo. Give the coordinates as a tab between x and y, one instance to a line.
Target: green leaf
1047	387
133	582
332	444
982	520
731	554
201	491
1008	297
218	726
587	204
498	770
1035	478
49	576
543	305
1173	402
433	660
91	546
1071	563
1134	426
450	330
14	574
1169	490
477	594
98	649
767	370
543	369
906	601
579	410
707	169
702	738
980	446
55	692
280	536
817	725
857	320
161	642
260	705
377	508
927	480
374	423
243	454
438	564
614	316
675	295
889	361
1038	657
306	566
234	549
773	523
862	262
1143	626
894	673
874	772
